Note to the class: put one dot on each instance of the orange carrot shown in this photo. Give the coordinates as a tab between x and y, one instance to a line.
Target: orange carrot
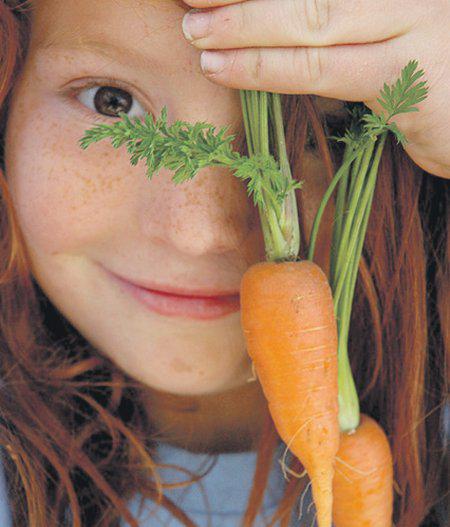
287	317
363	480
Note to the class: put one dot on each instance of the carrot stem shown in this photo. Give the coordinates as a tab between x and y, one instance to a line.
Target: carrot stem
279	218
341	199
342	258
357	242
289	213
246	115
341	173
341	209
356	179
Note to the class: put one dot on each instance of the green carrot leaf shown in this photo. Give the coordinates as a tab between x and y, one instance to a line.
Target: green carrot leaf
405	93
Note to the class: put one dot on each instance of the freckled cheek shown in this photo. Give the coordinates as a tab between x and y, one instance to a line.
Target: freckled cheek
66	197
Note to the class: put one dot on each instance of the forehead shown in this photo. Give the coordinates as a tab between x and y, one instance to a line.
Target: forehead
70	21
140	33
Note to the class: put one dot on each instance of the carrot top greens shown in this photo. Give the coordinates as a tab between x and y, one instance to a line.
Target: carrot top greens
186	148
355	182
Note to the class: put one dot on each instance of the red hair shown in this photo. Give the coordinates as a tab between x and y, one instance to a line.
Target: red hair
73	425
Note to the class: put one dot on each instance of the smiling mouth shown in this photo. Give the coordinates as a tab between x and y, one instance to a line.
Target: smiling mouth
180	305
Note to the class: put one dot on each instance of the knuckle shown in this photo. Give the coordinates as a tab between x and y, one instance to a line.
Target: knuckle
258	67
316	14
313	64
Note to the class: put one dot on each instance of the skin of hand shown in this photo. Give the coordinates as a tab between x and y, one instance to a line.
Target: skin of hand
343	49
83	211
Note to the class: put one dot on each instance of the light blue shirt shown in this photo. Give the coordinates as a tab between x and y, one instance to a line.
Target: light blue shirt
227	486
5	513
226	489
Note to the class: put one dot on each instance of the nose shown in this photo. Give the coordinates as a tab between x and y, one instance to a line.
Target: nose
209	214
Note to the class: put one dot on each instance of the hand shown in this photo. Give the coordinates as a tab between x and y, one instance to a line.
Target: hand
341	49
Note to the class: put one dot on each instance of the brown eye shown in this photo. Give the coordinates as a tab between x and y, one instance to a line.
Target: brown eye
110	100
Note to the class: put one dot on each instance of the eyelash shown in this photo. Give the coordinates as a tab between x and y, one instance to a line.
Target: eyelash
73	92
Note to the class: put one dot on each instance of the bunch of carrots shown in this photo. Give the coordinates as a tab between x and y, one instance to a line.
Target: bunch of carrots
296	324
296	319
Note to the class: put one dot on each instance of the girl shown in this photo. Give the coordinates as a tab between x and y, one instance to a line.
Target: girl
104	384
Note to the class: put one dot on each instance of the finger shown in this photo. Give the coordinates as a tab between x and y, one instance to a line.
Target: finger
275	23
351	72
210	3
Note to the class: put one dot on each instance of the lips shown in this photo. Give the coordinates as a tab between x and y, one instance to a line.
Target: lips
181	303
176	291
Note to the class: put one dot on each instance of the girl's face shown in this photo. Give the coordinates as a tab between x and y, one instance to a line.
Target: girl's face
87	213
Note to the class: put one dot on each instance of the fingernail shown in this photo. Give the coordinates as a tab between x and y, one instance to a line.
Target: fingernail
196	24
212	61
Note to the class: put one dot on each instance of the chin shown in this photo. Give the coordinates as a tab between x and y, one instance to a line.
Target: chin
203	383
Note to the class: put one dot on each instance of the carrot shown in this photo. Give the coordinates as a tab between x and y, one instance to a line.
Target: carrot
363	480
288	321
